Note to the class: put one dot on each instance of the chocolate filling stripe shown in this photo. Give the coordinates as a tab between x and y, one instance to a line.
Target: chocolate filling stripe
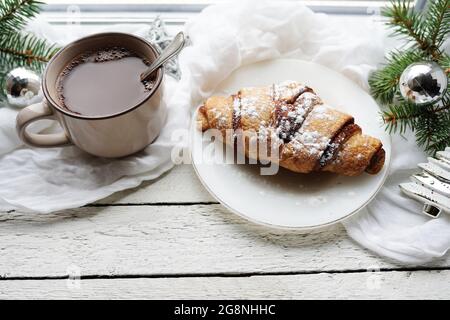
337	142
308	109
237	108
282	119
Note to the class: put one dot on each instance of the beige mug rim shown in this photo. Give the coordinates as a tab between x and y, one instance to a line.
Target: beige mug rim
56	104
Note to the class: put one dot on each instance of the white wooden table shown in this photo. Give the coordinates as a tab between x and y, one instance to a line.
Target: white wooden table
170	239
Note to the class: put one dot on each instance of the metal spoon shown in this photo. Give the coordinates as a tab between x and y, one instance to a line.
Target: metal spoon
168	53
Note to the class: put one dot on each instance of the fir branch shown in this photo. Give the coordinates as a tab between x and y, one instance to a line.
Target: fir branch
31	49
15	13
426	129
399	117
17	49
405	21
438	22
444	61
432	128
384	82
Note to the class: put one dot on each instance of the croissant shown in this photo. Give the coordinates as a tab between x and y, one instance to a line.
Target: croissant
310	135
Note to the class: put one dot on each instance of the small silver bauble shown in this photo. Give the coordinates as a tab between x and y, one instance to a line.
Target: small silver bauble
423	82
22	87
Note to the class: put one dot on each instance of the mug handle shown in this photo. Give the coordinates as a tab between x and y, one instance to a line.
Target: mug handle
37	112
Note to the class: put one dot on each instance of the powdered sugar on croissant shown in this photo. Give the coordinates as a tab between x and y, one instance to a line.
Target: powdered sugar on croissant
310	135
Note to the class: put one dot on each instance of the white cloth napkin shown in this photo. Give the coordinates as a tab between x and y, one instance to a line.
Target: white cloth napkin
225	37
391	225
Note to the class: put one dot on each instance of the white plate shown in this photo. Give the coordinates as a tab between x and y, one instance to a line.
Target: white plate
287	199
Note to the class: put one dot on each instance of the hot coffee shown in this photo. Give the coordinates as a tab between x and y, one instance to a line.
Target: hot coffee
103	82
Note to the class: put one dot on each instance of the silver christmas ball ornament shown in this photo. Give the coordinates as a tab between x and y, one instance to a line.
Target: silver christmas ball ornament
423	82
22	87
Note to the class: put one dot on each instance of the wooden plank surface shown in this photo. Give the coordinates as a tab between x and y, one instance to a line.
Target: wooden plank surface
171	235
168	240
163	240
386	285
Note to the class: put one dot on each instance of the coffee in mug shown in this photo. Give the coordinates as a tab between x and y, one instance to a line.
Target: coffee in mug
103	82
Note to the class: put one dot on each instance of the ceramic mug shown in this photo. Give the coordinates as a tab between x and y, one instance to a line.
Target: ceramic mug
114	135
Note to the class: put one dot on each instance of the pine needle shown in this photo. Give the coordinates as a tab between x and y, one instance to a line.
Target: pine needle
14	14
406	22
399	117
438	22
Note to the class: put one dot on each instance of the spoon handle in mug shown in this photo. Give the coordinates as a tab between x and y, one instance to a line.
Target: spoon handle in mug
168	53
